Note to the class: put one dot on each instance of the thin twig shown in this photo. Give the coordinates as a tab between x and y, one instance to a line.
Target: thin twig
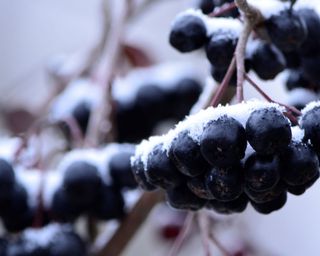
204	225
224	84
105	71
223	9
252	16
290	109
217	243
130	225
267	97
177	245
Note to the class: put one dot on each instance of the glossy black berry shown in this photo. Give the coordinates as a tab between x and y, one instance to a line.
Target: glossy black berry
198	187
225	184
220	49
206	6
182	198
267	61
296	79
109	204
81	114
268	131
131	124
300	189
218	75
271	206
149	101
160	169
120	169
62	209
7	180
223	142
66	244
265	196
311	68
3	246
185	154
188	33
262	172
187	92
140	176
310	122
81	182
235	206
18	221
286	30
293	59
24	247
299	164
312	42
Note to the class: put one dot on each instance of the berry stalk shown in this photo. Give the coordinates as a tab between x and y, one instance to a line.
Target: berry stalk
223	9
182	235
224	85
251	17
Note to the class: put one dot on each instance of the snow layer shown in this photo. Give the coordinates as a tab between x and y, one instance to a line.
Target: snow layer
212	24
165	75
310	106
31	180
81	90
196	123
91	156
43	237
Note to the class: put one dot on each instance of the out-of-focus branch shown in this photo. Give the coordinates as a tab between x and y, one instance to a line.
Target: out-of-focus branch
130	225
99	126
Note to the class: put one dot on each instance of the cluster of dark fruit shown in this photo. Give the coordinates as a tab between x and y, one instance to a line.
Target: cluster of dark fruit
216	172
15	210
84	191
49	241
293	42
152	104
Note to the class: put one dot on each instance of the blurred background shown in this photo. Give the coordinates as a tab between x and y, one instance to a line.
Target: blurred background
35	33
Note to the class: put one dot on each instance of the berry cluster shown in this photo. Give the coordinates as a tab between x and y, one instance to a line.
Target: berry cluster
287	39
222	158
15	209
87	182
142	100
92	182
52	240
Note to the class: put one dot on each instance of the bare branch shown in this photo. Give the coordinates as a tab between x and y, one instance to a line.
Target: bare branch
252	16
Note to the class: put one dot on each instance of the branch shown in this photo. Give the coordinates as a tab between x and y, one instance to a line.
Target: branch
204	225
104	72
252	16
224	84
130	225
290	109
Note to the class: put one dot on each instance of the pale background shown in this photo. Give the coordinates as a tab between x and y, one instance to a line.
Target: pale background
33	31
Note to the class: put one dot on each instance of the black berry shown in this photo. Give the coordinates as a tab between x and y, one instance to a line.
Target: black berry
268	131
188	33
223	142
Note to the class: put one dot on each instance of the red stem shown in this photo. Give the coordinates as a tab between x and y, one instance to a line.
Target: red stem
224	84
223	9
290	109
255	85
